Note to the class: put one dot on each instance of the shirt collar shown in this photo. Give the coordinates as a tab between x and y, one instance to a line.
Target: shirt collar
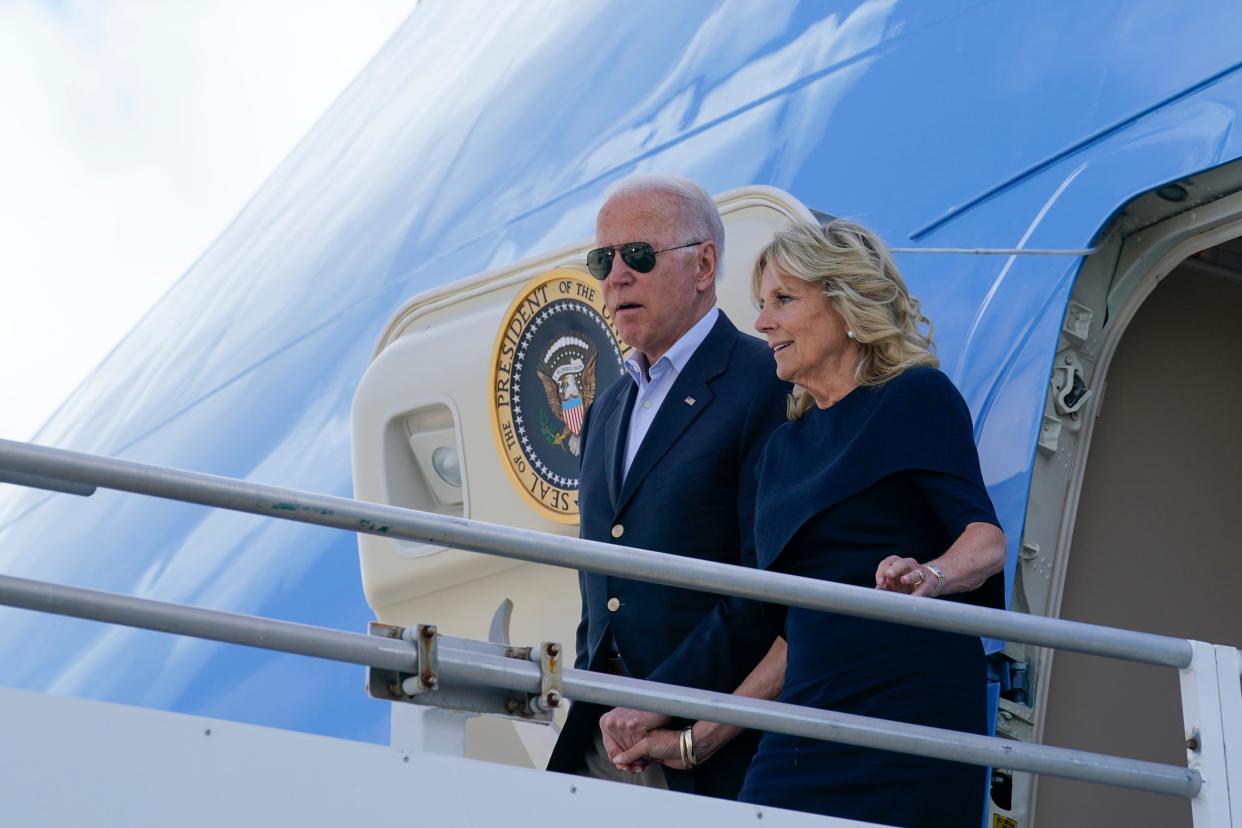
678	355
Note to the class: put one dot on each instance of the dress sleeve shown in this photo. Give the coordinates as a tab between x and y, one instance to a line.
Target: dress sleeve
915	424
957	501
953	485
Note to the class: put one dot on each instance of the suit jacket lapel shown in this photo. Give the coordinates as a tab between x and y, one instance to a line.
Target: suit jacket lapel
614	440
676	415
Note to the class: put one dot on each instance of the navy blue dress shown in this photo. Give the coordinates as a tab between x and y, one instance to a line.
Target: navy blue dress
888	470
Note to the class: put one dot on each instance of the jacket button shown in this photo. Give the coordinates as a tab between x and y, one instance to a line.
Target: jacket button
618	530
614	604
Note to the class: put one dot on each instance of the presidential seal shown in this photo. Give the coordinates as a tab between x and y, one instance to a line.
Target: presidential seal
556	347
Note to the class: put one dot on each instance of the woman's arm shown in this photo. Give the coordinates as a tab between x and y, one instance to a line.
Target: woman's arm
661	745
977	554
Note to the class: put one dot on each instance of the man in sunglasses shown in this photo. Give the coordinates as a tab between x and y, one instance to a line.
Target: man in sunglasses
667	464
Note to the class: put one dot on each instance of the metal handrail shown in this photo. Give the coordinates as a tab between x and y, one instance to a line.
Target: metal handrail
68	468
66	471
467	666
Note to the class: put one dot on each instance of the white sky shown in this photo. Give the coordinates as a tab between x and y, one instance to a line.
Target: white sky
132	132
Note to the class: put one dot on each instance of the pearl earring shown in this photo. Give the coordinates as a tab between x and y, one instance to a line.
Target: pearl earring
850	334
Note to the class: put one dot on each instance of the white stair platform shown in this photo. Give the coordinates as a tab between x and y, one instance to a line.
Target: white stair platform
70	761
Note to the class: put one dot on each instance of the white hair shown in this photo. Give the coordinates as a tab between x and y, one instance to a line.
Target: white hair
696	210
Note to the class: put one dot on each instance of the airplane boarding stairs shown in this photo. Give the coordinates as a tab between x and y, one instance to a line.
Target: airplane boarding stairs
68	759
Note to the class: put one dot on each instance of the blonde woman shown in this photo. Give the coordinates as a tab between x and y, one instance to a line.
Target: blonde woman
874	481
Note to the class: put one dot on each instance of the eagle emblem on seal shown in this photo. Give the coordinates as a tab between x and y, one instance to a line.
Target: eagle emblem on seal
567	373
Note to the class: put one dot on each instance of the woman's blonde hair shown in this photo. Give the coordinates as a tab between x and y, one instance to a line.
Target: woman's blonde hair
856	273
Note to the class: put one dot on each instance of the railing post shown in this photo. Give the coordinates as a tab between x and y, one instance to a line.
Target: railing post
1229	678
1212	713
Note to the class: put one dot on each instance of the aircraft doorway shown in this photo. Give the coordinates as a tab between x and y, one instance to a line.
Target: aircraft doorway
1155	540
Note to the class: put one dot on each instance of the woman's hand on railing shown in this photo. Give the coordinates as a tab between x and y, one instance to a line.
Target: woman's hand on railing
905	575
978	553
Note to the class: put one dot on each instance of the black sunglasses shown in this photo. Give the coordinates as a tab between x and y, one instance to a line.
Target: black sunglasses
640	256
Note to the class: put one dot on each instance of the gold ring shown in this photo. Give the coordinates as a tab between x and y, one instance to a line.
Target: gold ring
921	579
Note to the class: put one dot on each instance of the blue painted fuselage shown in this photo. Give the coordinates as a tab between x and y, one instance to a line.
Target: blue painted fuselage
480	136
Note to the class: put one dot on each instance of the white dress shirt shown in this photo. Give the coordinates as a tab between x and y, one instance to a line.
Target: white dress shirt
655	381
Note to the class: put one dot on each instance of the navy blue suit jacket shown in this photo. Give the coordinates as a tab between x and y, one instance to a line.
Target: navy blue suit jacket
690	491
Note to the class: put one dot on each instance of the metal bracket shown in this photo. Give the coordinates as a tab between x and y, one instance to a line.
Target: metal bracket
1015	721
1050	435
1078	322
1069	384
427	687
428	678
551	689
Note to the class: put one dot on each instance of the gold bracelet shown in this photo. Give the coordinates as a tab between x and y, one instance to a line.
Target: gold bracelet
688	759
